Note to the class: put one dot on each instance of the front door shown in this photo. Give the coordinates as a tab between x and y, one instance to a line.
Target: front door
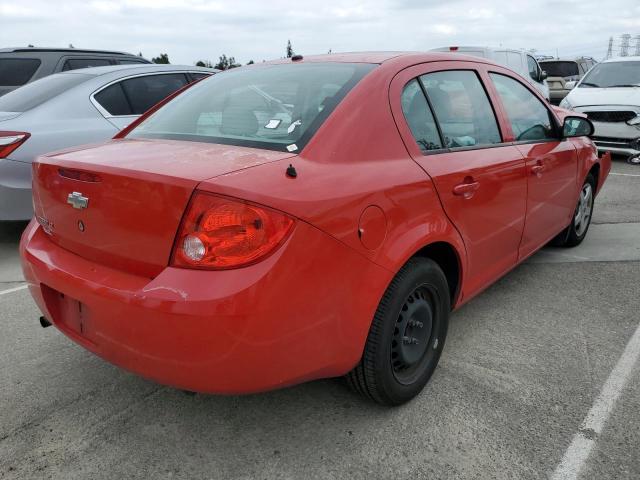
552	164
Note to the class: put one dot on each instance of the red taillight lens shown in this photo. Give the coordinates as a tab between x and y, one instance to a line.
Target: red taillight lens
9	141
219	233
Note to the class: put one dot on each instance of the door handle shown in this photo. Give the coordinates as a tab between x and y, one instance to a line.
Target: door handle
537	169
467	188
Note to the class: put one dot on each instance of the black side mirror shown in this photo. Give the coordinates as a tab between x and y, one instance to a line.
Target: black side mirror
577	127
543	75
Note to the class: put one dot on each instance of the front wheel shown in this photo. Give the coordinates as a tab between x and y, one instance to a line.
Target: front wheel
406	336
575	233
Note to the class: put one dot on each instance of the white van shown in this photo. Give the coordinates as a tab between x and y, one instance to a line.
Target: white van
517	60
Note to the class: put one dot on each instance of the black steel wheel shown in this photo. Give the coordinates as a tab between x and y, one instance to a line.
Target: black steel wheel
406	336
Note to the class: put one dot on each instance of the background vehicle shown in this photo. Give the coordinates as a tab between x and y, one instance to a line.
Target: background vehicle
517	60
72	108
19	66
561	71
275	224
610	97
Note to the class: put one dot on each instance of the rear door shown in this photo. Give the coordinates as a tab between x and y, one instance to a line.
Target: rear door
551	163
453	134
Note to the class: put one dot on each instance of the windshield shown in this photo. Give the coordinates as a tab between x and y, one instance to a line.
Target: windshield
560	69
35	93
613	74
277	107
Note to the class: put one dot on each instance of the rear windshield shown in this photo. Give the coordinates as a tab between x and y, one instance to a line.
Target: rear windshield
35	93
17	71
560	69
613	74
277	107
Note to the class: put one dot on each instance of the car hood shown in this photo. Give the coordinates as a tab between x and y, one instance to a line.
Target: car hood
583	97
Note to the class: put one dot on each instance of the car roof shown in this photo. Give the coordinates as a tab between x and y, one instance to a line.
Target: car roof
622	59
64	50
409	58
136	68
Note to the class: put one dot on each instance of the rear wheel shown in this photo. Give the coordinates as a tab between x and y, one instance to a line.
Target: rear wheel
576	232
406	336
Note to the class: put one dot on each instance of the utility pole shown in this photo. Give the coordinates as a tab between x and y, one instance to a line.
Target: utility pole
610	49
624	45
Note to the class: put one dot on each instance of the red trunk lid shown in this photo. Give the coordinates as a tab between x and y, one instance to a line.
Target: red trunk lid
136	192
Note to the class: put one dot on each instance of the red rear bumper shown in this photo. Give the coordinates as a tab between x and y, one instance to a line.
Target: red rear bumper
301	314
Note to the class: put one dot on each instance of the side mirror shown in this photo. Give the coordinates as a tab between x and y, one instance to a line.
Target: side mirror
543	75
570	85
577	127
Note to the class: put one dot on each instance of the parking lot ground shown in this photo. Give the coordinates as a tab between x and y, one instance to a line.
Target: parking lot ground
522	366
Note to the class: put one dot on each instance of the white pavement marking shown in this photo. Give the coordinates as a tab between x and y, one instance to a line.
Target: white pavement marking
625	174
21	287
583	442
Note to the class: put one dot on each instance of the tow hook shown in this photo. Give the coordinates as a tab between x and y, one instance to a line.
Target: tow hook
44	322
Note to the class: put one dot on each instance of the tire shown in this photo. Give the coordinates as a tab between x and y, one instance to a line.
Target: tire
634	160
406	337
576	232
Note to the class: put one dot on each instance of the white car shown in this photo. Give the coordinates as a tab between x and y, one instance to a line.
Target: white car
517	60
610	97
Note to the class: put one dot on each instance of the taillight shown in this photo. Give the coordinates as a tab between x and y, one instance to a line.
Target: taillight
221	233
9	141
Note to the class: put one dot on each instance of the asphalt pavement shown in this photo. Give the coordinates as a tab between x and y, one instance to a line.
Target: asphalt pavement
527	365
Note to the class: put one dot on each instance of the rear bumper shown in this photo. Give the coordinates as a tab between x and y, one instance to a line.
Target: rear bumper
15	190
295	316
556	96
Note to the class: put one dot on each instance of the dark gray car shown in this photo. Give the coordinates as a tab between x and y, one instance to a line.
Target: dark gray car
19	66
73	108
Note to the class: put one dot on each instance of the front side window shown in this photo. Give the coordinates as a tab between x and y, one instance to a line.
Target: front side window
277	107
419	117
613	74
462	108
529	118
15	72
76	63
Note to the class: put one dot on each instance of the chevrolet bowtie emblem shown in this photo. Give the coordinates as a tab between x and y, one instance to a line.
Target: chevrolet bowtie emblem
76	200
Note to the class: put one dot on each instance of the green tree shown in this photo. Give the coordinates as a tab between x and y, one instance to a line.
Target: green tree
162	58
250	62
225	63
290	52
204	63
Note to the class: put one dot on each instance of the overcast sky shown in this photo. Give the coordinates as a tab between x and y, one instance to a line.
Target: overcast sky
190	30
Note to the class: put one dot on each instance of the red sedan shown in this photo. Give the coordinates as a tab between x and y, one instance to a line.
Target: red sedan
306	218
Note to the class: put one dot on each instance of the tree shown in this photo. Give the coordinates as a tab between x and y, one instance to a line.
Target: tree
250	62
290	52
204	63
226	63
162	58
71	45
140	54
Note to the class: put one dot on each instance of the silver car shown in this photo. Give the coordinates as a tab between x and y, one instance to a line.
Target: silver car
73	108
610	96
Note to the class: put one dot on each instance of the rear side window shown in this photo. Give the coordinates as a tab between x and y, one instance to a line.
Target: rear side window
419	117
529	118
144	92
130	62
40	91
15	72
198	76
462	108
76	63
113	100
